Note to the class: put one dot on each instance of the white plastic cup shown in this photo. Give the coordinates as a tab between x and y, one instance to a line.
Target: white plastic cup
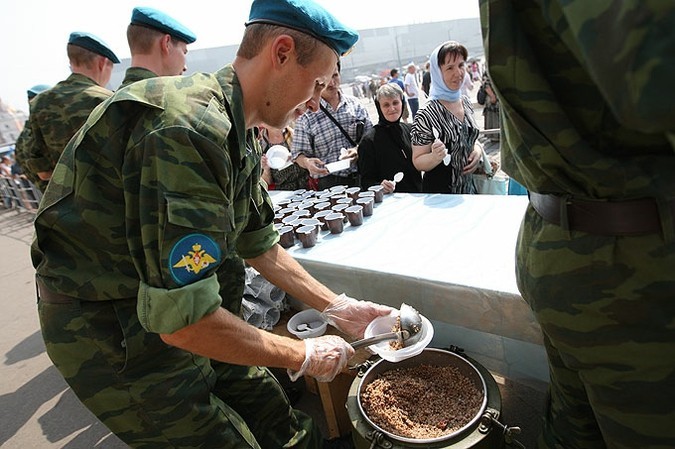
278	157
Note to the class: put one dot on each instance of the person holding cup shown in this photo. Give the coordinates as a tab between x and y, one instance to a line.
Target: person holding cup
280	174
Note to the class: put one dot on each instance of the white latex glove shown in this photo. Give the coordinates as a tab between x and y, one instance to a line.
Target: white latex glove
325	358
352	316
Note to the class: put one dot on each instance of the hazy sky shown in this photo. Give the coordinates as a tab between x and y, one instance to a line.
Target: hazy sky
35	32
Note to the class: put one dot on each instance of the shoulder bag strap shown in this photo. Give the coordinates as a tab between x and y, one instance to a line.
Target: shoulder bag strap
330	116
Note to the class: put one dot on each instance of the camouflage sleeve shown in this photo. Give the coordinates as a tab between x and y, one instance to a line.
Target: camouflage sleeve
179	225
36	149
627	47
165	311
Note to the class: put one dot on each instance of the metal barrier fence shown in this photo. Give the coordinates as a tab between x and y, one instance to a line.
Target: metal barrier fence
19	194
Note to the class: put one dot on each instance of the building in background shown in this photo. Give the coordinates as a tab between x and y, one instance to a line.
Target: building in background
376	53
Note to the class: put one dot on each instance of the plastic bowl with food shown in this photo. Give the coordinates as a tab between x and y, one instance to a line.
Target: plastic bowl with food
384	324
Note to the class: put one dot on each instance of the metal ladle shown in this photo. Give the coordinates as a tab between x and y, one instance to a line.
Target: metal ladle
411	325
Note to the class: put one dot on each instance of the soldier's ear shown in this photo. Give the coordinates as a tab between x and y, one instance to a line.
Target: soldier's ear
283	47
165	43
101	63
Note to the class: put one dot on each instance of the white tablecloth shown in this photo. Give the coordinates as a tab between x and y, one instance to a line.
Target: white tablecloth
450	256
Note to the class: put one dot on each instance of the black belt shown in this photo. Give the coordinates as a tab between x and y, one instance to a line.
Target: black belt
50	297
630	217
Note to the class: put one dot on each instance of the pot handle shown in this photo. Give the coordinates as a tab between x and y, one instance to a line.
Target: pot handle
489	418
378	440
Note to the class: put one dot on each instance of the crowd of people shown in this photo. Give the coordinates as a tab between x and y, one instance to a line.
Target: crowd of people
158	201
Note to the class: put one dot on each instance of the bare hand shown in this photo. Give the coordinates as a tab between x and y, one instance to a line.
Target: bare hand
315	166
350	153
389	186
473	161
438	150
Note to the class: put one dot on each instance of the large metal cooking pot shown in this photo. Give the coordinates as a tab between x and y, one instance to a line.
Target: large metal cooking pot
483	431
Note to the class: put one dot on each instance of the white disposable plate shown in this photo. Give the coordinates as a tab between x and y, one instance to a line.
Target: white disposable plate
339	165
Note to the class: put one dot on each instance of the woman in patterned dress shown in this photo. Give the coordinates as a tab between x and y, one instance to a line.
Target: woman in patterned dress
446	122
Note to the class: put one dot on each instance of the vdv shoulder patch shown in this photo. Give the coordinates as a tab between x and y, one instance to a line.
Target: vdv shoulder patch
191	256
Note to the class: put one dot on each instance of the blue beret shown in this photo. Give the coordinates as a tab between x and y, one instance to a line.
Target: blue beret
92	43
152	18
38	88
307	17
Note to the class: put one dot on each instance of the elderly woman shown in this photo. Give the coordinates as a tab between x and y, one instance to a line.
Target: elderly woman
385	150
446	126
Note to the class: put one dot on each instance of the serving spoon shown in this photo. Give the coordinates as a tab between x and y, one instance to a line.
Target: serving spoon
411	325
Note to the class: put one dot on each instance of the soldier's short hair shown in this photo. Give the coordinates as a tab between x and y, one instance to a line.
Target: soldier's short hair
141	39
257	35
81	56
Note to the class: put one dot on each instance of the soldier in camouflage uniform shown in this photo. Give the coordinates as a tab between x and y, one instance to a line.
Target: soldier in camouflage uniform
588	127
20	147
56	115
158	45
139	239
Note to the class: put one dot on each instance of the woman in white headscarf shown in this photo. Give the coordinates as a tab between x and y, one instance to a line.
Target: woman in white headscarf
446	123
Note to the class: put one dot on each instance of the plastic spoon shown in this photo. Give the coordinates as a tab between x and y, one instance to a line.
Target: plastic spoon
308	326
397	178
446	159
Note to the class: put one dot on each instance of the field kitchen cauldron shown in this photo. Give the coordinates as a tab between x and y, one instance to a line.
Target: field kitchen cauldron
483	431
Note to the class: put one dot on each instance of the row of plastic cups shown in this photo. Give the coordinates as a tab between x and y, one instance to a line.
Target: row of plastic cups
307	229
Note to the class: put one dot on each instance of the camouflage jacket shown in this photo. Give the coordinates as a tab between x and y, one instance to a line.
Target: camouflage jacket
586	95
21	156
157	197
134	74
56	115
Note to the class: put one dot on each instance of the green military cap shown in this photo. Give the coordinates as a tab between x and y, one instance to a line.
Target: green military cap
33	91
152	18
307	17
92	43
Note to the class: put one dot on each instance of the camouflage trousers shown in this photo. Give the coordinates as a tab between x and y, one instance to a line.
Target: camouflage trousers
152	395
606	306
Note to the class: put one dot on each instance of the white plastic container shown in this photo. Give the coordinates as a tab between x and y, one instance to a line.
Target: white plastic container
306	324
385	324
278	157
338	166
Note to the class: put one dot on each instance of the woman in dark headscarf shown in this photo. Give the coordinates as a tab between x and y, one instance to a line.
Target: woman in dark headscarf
385	150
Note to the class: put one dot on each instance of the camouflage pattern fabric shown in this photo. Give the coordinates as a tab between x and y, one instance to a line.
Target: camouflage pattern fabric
56	115
586	97
134	74
155	202
21	156
163	396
